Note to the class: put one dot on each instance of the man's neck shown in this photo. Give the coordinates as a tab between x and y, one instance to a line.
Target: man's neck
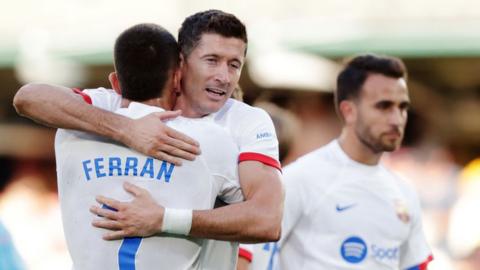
357	150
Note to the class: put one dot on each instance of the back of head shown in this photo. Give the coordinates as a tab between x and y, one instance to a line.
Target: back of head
145	56
351	79
209	22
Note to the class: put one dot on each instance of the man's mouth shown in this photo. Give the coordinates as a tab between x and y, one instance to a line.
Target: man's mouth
216	91
393	134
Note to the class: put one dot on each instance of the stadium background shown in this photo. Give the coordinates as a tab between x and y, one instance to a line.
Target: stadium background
295	49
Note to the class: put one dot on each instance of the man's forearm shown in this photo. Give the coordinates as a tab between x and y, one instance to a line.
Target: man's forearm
258	219
239	222
59	107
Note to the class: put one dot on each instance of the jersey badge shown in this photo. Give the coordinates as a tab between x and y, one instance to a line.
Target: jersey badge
353	250
264	135
402	211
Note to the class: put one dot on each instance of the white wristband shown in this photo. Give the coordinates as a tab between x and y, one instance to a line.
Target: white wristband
177	221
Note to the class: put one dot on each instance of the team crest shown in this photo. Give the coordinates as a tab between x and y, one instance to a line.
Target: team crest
402	211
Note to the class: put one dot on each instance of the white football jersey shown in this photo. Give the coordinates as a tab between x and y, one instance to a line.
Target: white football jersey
88	166
341	214
254	134
251	128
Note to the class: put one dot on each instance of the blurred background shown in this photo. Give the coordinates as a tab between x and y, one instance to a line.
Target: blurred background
296	48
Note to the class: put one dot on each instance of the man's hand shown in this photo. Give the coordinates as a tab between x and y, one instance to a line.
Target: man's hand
140	217
151	136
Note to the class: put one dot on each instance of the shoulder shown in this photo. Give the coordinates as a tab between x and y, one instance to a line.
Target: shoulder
405	184
323	157
219	151
101	91
241	111
205	131
104	98
407	188
318	166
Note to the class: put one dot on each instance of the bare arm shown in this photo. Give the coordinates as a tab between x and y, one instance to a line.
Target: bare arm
258	219
60	107
243	264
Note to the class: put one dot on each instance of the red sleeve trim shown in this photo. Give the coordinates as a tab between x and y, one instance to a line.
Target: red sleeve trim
422	266
85	97
260	157
247	255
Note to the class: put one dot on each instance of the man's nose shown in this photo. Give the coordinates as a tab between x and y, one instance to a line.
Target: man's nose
398	117
222	74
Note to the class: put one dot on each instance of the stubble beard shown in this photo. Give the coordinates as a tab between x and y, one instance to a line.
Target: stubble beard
376	145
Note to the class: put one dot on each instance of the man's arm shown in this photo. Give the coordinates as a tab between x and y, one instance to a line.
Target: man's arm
243	264
60	107
257	219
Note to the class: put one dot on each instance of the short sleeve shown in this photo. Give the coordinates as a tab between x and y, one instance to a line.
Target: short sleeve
258	139
106	99
415	252
246	251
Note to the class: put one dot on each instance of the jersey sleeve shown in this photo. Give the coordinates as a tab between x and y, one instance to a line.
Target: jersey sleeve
246	251
295	204
106	99
258	139
85	97
415	252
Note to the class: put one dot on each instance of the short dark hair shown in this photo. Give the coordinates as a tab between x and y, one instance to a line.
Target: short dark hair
353	76
145	55
211	21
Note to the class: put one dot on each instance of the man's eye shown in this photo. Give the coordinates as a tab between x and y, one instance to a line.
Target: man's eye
405	106
383	105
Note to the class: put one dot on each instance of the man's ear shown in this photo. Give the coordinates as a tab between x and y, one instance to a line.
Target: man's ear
112	77
182	60
348	110
177	76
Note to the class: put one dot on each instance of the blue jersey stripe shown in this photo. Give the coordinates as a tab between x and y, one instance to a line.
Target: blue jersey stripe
127	252
273	253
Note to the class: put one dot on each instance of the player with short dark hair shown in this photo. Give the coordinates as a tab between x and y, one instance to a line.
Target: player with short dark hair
210	21
142	65
353	76
343	209
89	166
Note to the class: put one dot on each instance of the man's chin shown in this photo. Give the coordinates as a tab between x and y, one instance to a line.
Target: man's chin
390	144
390	147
